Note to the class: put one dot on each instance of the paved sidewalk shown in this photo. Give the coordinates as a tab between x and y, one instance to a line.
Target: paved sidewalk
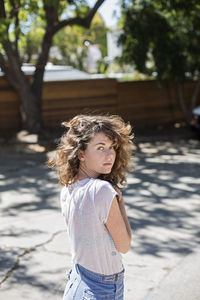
163	205
183	282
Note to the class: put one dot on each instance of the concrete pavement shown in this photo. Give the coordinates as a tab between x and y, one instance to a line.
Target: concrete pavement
163	205
183	282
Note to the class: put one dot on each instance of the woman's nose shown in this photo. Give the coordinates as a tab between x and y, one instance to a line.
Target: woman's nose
109	152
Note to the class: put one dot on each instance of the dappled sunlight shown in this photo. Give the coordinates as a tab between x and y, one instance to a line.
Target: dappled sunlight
132	180
149	150
36	148
190	180
165	177
172	159
157	189
148	171
27	183
145	193
183	187
163	198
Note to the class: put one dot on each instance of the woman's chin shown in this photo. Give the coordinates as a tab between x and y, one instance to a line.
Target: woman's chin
106	172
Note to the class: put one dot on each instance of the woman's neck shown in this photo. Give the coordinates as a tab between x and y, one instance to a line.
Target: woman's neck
83	173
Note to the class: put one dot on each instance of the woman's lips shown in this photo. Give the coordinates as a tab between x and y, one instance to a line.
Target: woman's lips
107	164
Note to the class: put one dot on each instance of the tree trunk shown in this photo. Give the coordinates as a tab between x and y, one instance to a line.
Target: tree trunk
195	95
187	112
182	103
30	110
31	93
30	106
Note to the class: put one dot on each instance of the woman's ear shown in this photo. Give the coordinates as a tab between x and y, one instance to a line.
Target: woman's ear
81	155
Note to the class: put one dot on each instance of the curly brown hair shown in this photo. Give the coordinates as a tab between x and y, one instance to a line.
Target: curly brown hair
81	129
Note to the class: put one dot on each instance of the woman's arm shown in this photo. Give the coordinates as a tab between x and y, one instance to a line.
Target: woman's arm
124	215
118	225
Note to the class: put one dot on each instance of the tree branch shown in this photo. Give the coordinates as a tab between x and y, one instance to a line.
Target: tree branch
93	11
51	15
8	73
15	14
2	10
52	20
3	63
52	27
13	56
37	82
84	22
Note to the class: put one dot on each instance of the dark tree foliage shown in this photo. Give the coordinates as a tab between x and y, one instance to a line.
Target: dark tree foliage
161	38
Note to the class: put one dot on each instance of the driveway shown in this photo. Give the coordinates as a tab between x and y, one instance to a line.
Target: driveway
163	206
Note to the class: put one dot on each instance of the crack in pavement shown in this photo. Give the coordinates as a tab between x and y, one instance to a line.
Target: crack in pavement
27	251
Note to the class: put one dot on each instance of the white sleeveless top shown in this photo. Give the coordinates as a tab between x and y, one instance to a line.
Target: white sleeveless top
85	206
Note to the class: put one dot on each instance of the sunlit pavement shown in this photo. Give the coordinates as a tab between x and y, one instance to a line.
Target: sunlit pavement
163	205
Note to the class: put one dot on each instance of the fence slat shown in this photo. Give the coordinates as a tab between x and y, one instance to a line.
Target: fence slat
142	102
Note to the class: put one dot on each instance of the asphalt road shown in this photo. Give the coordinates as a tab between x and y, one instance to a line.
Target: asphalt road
163	206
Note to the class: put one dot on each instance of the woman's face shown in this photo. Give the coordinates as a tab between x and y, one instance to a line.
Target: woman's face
99	156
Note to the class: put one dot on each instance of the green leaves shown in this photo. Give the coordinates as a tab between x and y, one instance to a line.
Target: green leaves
72	46
4	25
23	22
162	37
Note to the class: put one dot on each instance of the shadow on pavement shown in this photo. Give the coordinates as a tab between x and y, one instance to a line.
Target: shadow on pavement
162	199
164	192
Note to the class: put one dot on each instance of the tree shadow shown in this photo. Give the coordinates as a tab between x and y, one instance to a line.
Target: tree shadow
28	184
7	261
162	197
48	287
162	200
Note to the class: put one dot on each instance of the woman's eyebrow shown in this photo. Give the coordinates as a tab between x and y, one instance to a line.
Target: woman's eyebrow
101	143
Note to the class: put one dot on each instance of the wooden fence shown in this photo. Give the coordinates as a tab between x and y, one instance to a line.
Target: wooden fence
63	100
143	102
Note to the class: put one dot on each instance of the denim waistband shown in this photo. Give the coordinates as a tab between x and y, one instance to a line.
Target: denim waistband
114	278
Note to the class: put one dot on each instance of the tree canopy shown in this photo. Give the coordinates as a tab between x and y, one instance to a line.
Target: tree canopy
71	41
161	38
16	18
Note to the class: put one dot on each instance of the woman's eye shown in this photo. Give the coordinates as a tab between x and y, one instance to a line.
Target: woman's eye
100	148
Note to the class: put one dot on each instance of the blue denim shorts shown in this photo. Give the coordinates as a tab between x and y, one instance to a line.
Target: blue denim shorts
86	285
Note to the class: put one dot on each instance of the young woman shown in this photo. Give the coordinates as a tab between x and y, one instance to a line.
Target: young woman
92	160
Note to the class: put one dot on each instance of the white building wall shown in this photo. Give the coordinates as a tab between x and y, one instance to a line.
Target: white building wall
112	47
